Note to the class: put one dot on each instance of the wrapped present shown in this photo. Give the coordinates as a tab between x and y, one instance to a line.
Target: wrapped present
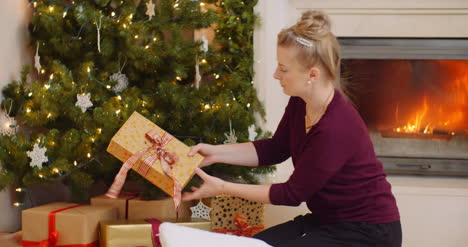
154	154
121	203
64	224
242	227
160	209
124	233
225	208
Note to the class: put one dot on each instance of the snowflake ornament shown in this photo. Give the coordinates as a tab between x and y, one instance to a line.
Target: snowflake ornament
37	156
201	211
252	132
150	9
7	125
122	82
83	101
204	46
231	138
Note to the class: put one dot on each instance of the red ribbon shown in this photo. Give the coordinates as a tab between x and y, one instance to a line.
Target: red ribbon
243	227
155	231
52	239
148	157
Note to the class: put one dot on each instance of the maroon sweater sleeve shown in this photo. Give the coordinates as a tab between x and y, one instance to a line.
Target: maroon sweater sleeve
275	150
324	155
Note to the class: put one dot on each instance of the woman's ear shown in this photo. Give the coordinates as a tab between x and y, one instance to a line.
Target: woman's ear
314	74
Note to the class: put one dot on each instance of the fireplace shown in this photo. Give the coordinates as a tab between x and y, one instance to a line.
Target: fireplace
413	96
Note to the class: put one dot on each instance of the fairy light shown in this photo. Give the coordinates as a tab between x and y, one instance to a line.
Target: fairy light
49	115
19	189
40	175
227	104
154	39
89	69
207	107
248	105
113	14
117	112
30	94
234	99
17	204
178	78
136	36
108	87
147	46
55	170
42	71
51	8
130	17
176	5
89	155
35	4
92	139
119	98
216	76
51	77
203	61
75	163
143	103
28	110
202	4
64	14
125	25
47	86
99	130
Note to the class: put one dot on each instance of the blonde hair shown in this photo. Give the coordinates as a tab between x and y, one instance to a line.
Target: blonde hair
316	44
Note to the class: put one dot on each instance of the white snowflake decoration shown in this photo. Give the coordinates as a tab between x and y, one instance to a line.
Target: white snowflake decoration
150	9
122	82
83	101
37	60
252	132
37	156
201	211
231	138
7	125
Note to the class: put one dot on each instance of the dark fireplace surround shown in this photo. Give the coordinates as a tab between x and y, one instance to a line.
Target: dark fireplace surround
413	96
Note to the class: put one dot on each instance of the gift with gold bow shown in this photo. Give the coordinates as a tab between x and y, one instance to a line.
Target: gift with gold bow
242	227
64	225
154	154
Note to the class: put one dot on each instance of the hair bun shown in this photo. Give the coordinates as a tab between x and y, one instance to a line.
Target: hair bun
313	25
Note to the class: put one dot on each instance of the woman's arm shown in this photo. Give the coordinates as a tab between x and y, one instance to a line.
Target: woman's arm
242	154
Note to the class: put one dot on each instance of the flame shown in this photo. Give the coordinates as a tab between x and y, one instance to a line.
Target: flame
444	111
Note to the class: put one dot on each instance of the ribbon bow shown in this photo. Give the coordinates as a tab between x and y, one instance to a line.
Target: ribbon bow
148	157
243	227
51	241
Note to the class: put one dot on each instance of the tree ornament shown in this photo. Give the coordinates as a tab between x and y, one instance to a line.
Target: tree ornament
231	138
197	74
83	101
252	132
37	156
37	59
201	211
122	82
98	28
7	124
150	9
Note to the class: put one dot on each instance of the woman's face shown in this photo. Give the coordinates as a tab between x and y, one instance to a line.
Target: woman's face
292	76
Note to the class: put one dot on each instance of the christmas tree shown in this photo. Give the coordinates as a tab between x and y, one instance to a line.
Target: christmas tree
98	61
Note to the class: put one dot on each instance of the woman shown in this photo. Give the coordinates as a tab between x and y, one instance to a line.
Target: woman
336	171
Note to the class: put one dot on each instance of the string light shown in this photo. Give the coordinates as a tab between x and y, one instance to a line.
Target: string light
99	130
89	70
75	163
40	175
51	77
17	204
55	170
125	25
147	46
227	104
202	4
47	86
154	39
19	189
248	105
28	110
117	112
234	99
216	76
203	60
178	78
64	14
176	5
89	155
35	4
136	36
30	94
130	17
113	14
108	87
119	98
92	139
49	115
42	71
51	8
207	106
143	103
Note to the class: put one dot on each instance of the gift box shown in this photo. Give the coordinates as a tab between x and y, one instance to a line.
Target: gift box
225	208
159	209
242	227
120	203
124	233
64	224
152	153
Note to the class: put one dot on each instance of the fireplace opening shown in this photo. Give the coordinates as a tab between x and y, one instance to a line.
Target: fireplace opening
413	96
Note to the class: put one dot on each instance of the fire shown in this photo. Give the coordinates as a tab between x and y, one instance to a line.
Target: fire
443	110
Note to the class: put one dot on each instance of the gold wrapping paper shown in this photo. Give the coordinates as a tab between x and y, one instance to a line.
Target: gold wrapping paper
131	139
124	233
159	209
75	226
119	203
225	208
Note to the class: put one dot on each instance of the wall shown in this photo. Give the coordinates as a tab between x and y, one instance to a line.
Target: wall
13	21
433	210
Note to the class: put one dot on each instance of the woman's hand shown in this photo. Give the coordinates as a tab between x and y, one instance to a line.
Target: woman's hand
211	186
206	150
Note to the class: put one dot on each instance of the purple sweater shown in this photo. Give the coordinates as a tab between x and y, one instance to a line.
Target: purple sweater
336	171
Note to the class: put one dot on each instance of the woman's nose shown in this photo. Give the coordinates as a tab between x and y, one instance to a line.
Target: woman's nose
276	75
